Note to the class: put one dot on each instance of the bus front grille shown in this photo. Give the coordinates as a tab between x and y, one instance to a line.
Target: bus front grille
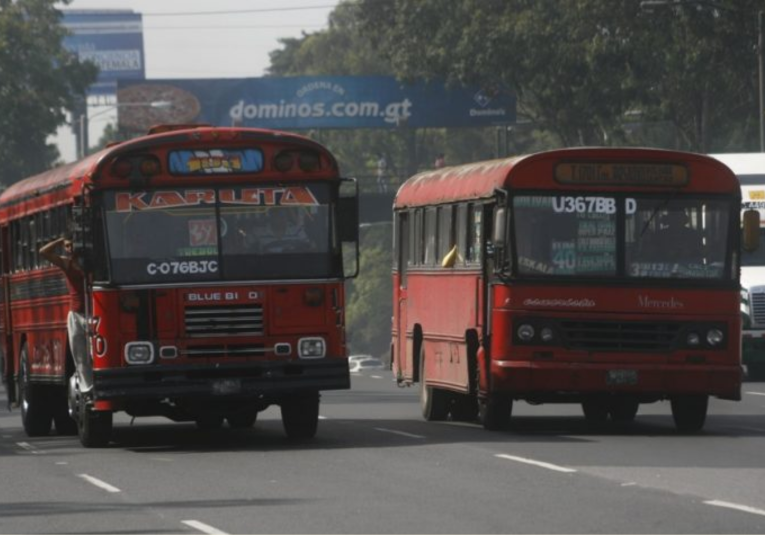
758	307
619	336
226	350
224	321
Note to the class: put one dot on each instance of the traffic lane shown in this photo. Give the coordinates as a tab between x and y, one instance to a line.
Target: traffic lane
351	439
361	478
364	445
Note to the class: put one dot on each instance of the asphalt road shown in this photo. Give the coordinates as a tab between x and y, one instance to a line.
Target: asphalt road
377	467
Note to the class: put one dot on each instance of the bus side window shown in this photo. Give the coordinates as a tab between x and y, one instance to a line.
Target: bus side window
430	236
462	233
415	241
474	234
445	233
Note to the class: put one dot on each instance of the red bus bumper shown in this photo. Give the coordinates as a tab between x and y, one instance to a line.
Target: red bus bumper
524	378
268	380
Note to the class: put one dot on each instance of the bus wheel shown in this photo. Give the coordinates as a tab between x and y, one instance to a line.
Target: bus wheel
93	427
623	409
36	416
689	412
434	401
464	408
209	422
300	416
242	420
65	424
595	410
495	412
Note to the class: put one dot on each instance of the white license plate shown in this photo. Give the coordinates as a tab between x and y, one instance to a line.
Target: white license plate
621	377
226	386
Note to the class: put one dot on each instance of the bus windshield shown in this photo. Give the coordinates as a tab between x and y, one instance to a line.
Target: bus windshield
198	234
663	236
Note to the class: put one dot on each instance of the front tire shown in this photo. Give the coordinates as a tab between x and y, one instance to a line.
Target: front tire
690	412
495	412
300	416
36	416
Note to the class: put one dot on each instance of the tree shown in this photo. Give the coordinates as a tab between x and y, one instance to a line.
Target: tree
581	68
39	80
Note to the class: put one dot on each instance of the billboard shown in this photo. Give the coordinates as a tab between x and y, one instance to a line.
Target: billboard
112	39
306	102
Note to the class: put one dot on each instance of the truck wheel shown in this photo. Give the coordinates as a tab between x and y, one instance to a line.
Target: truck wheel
495	412
433	401
36	415
689	412
300	416
65	424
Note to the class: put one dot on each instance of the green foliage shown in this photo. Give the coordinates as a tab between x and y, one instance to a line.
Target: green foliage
589	71
39	79
369	296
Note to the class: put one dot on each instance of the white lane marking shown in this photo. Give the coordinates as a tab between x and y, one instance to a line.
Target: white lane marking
401	433
376	376
323	417
755	393
738	507
630	484
204	528
98	483
29	447
536	463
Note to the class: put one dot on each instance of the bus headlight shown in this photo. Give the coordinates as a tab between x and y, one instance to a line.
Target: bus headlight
525	332
311	348
693	339
715	337
139	353
547	335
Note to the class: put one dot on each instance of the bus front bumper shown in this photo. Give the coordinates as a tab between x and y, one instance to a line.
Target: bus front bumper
269	379
660	381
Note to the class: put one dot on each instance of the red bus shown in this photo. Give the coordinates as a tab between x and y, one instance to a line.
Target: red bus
606	277
214	282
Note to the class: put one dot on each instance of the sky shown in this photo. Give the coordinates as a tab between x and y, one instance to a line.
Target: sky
203	39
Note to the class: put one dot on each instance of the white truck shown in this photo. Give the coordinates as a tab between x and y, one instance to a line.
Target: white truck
750	169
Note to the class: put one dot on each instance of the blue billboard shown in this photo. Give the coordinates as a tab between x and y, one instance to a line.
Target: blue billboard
304	102
112	39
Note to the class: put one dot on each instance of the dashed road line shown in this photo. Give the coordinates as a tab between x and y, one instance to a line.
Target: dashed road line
737	507
98	483
401	433
541	464
28	447
376	376
755	393
204	528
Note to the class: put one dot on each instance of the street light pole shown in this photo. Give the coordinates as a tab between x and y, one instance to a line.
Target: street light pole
85	119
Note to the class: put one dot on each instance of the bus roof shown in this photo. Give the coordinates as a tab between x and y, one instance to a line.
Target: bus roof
481	180
75	175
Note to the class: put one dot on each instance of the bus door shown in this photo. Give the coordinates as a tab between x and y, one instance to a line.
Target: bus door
403	345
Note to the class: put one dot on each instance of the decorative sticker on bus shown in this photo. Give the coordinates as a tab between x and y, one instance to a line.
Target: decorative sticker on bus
215	161
621	174
161	200
203	232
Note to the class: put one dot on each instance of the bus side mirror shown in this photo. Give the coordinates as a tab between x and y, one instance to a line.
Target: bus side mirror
751	241
500	228
348	226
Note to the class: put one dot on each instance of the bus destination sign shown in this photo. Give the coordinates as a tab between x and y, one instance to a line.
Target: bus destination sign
626	174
